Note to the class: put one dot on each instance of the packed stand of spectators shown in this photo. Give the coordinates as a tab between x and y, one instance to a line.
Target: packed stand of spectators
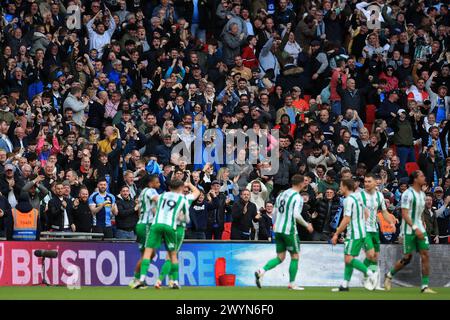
93	100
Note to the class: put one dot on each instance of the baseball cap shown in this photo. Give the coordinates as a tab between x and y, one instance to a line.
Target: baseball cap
9	167
331	173
215	182
438	189
315	43
395	91
256	69
401	111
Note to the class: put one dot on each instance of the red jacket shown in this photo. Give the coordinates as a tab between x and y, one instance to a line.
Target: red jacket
249	57
392	82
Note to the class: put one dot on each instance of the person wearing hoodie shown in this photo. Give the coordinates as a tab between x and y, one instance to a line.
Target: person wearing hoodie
77	104
258	193
198	212
127	215
232	42
40	40
26	222
234	17
36	191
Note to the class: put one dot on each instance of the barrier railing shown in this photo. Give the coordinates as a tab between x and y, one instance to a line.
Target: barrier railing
55	235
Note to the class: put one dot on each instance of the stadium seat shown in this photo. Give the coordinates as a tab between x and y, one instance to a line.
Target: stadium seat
370	113
219	269
307	97
411	167
226	234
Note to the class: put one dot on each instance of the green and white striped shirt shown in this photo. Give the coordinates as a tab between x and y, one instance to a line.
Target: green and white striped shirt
184	219
354	208
373	202
288	209
170	208
147	205
415	203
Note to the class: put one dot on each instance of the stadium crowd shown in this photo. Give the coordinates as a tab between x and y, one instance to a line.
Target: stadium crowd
94	100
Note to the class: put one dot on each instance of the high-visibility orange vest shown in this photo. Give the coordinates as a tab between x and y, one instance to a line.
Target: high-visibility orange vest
385	226
25	224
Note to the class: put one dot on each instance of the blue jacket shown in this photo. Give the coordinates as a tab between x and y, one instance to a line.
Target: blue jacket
4	145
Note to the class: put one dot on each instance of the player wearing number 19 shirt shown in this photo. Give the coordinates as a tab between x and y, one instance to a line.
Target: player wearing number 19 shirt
287	211
171	207
180	232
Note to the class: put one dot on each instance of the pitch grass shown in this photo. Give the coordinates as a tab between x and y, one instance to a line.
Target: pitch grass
214	293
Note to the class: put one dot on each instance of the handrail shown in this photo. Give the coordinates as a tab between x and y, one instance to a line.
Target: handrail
71	234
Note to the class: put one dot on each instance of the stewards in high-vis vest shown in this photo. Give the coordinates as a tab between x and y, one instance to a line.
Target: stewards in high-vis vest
25	220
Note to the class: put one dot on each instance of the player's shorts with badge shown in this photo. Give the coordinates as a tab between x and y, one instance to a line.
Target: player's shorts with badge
372	241
353	247
157	233
412	243
287	242
142	229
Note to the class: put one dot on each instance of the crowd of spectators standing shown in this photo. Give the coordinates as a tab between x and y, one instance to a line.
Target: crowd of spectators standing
94	100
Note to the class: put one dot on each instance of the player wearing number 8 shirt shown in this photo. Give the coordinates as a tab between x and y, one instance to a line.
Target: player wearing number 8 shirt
287	211
413	231
171	207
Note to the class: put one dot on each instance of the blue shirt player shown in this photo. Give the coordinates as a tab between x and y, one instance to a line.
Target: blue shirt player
102	205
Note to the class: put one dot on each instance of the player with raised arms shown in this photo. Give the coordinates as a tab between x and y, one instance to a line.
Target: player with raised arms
354	222
413	230
287	211
147	208
180	233
373	201
172	206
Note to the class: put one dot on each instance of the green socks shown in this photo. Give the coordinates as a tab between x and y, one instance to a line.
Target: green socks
137	275
272	264
425	281
372	265
293	267
173	271
392	272
165	270
348	271
358	265
144	268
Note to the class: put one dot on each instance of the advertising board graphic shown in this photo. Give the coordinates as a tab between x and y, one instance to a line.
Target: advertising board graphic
107	263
